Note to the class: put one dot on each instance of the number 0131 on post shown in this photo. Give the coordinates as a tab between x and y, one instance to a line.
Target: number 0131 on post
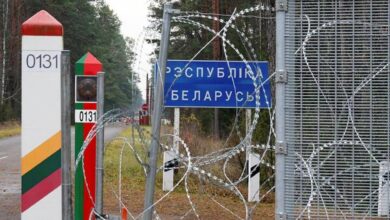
41	61
85	116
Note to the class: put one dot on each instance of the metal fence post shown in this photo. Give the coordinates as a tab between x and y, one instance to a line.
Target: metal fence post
67	212
99	143
157	110
281	147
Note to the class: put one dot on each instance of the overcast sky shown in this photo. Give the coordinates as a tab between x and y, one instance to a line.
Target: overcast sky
133	15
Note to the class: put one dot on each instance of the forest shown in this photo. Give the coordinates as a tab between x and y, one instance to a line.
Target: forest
186	40
89	26
93	26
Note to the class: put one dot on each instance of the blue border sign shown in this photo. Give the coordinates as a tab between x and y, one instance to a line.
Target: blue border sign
216	84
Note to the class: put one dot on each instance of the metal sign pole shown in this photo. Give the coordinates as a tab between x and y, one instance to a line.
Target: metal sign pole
281	79
157	110
100	143
67	211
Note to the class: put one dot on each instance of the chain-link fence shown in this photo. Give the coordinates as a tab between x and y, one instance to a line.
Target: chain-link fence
337	109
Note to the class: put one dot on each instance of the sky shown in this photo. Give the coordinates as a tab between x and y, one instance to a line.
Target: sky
133	15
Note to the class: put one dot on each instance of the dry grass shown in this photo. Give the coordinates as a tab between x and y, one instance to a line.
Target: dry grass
9	129
175	205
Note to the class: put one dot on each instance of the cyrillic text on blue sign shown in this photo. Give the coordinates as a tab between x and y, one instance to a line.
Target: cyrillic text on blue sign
217	84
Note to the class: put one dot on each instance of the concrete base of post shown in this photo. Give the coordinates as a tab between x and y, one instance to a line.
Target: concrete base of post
384	189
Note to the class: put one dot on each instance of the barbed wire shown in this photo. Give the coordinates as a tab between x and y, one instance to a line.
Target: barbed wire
198	165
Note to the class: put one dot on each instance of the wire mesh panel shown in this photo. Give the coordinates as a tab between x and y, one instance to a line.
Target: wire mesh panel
338	109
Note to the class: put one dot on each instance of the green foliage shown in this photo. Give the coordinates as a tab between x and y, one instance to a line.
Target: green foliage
116	56
6	112
187	40
89	27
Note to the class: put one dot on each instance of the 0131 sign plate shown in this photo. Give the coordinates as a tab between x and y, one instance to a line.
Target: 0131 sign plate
216	84
85	116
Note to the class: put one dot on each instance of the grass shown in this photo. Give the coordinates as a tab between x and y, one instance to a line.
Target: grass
176	204
130	167
8	129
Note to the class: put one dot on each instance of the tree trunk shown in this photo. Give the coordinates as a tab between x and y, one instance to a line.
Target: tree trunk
13	66
2	49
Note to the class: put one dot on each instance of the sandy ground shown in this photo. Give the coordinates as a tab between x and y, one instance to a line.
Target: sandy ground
176	206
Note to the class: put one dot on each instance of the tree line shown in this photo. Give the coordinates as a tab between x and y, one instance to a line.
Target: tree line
89	26
186	40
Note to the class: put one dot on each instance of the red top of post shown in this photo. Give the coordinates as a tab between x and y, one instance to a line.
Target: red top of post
42	24
91	59
90	64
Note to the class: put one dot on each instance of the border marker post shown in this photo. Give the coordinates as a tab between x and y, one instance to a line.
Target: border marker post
85	118
42	43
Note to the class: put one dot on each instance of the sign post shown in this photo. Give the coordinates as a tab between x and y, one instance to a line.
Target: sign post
42	43
176	130
253	163
170	157
85	118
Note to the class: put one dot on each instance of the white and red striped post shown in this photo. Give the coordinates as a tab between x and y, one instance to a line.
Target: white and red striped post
42	43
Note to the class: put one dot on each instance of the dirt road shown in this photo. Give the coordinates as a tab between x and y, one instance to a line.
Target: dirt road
10	173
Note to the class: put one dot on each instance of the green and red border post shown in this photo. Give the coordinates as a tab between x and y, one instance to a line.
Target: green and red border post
85	118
